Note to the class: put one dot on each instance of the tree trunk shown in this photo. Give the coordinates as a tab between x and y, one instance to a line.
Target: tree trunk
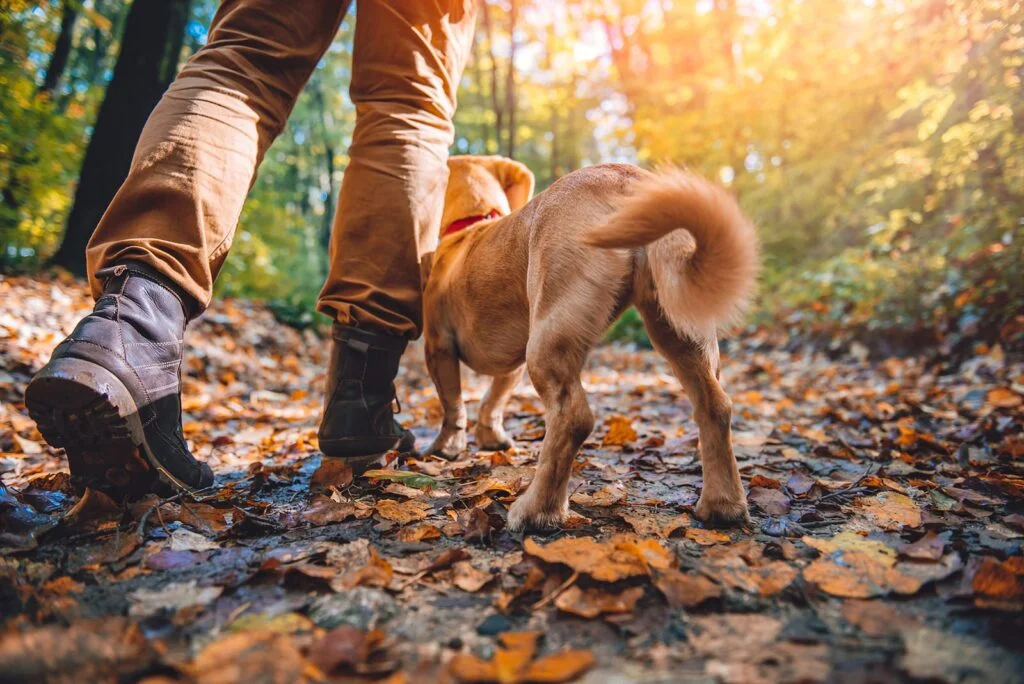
328	225
499	122
61	49
510	81
146	65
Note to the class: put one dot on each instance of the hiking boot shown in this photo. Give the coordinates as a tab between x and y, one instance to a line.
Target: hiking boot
111	394
359	423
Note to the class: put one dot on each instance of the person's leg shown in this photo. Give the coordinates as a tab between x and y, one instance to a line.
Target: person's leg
110	394
199	151
406	65
407	62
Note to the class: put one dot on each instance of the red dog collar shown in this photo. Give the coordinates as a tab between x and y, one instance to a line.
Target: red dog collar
462	224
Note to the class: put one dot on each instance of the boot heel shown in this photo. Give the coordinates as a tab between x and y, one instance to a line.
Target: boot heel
86	410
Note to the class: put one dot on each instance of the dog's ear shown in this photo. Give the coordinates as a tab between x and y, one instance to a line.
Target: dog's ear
515	178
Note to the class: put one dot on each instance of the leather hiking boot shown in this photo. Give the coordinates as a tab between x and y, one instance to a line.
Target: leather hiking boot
359	423
111	394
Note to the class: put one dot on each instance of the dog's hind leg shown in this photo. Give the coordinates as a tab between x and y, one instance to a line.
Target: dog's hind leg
555	359
695	363
443	364
490	430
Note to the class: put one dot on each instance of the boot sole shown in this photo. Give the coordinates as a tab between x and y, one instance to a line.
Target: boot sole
83	408
343	447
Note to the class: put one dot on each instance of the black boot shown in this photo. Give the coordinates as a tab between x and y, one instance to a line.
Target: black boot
358	423
111	394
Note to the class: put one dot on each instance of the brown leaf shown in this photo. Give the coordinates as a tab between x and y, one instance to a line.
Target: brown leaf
772	501
475	524
402	513
765	482
333	472
744	567
1002	397
854	574
347	648
376	573
620	432
876	618
610	495
929	547
620	557
685	590
660	523
468	578
590	603
466	667
106	650
323	510
559	667
253	656
999	585
419	533
706	537
890	511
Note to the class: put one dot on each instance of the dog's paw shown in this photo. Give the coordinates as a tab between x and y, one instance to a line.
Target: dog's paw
719	512
449	444
491	438
526	514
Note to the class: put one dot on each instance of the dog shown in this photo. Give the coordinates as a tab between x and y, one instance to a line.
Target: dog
534	284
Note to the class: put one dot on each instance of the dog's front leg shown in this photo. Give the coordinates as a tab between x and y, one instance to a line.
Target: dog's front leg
443	364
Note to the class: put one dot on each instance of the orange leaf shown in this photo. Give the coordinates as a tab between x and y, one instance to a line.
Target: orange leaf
620	432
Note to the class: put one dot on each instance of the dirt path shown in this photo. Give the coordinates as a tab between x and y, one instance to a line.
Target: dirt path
887	499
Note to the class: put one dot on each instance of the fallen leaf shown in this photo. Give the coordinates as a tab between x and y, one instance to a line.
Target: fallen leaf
759	576
999	585
890	511
620	432
187	540
419	533
376	573
403	512
409	479
590	603
252	656
1000	397
333	472
559	667
772	501
929	547
685	590
469	578
706	537
854	574
851	541
349	649
875	617
648	522
610	495
171	596
620	557
475	524
323	510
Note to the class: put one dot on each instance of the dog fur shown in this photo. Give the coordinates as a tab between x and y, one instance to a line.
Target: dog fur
536	289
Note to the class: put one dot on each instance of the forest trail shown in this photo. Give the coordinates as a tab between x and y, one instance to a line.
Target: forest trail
887	498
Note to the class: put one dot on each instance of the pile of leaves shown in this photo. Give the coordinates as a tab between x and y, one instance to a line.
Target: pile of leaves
887	500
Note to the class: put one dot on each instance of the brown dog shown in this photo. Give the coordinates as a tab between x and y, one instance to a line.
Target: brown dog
537	287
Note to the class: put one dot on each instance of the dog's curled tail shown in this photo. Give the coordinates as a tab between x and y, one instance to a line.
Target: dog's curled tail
702	250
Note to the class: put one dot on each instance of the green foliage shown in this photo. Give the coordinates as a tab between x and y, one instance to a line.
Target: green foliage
878	145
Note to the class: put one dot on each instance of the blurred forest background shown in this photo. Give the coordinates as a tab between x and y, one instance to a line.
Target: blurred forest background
878	144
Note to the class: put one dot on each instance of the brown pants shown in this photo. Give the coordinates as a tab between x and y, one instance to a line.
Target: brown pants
198	154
